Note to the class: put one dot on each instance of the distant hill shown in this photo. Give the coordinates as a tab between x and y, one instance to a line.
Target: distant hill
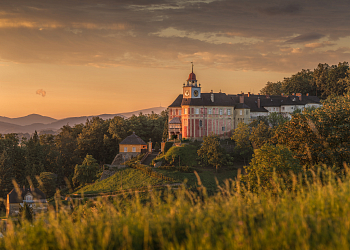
28	120
30	123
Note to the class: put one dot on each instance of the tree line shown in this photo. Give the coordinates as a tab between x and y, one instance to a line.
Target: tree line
325	80
26	159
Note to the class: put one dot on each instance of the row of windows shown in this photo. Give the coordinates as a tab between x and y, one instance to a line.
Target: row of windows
133	149
210	112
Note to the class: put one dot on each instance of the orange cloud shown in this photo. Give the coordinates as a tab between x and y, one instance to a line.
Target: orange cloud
41	92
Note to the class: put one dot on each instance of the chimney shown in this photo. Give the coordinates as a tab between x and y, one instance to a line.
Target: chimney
248	94
241	98
212	96
299	95
258	102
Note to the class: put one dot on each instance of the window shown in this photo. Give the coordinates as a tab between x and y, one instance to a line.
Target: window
292	107
220	111
209	111
223	129
185	111
133	149
29	198
180	112
246	112
283	108
240	112
228	111
174	112
197	112
200	123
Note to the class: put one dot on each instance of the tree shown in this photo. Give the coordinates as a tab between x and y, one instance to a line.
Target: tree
276	119
272	88
260	135
320	135
6	174
86	172
302	82
48	183
241	137
211	152
267	161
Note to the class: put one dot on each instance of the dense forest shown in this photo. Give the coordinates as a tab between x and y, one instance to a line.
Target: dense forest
61	153
323	81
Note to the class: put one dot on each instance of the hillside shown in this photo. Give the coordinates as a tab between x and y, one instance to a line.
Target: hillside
30	123
129	177
133	178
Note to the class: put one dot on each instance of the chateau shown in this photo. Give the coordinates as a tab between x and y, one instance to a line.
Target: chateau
194	114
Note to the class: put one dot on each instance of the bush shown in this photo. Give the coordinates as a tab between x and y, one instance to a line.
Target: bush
270	164
185	155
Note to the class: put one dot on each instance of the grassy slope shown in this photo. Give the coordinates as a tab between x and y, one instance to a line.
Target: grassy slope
132	178
207	177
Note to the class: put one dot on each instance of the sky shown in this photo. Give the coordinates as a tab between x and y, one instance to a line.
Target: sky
86	57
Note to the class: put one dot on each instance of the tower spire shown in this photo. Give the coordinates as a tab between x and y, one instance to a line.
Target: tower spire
192	67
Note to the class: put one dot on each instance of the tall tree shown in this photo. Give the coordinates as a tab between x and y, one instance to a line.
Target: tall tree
241	137
211	152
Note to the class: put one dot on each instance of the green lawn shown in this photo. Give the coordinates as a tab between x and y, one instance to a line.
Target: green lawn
207	177
132	178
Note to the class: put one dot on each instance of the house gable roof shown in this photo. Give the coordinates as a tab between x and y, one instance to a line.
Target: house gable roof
133	140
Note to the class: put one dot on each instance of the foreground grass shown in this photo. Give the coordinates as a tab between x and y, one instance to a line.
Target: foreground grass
313	216
123	179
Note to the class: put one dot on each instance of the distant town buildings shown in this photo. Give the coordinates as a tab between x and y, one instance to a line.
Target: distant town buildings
194	115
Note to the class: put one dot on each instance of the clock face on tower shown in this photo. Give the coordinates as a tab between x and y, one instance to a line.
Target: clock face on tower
195	93
187	93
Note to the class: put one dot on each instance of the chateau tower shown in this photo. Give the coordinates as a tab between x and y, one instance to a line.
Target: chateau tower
191	89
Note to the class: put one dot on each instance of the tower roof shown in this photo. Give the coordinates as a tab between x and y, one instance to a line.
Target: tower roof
192	77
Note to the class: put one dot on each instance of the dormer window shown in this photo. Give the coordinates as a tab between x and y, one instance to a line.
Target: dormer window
28	197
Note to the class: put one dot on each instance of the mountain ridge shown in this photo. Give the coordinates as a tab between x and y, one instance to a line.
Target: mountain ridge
32	122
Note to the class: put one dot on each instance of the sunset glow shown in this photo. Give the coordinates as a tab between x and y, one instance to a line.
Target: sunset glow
73	58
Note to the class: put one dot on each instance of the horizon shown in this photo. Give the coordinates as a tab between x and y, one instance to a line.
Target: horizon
72	59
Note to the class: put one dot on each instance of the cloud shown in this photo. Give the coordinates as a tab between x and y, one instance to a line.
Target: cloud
41	92
225	34
282	10
305	38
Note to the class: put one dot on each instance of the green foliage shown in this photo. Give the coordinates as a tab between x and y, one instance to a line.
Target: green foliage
272	88
156	147
6	174
314	216
260	135
48	183
241	137
323	81
183	155
183	169
321	135
86	172
167	146
268	164
26	213
211	152
124	179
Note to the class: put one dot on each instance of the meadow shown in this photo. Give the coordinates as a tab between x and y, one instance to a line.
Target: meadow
313	214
